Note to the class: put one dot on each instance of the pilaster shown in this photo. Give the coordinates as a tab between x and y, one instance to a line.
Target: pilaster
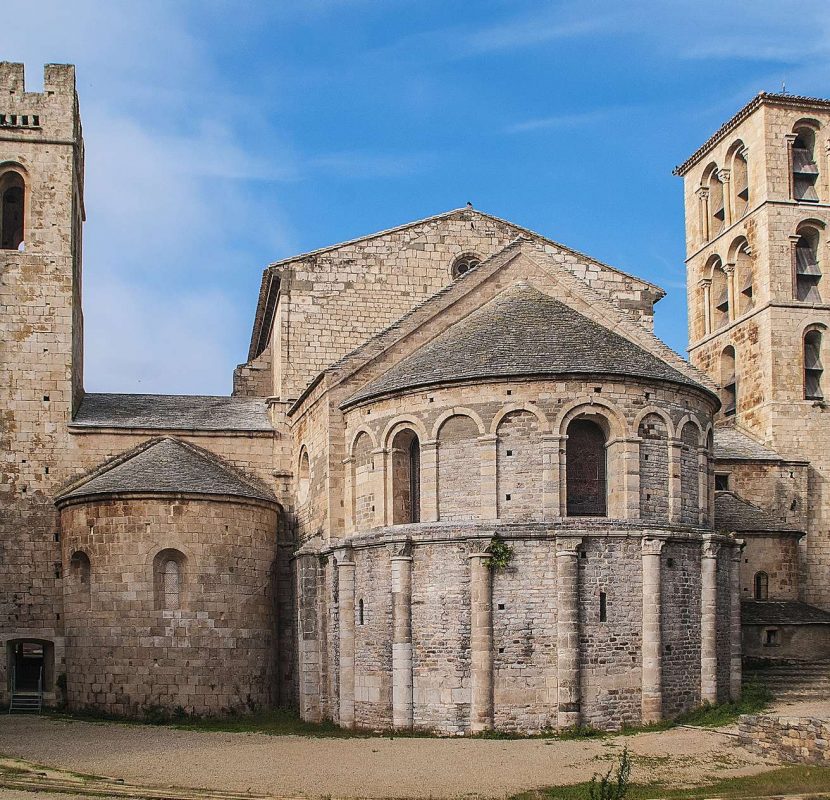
567	631
481	643
652	646
402	710
709	621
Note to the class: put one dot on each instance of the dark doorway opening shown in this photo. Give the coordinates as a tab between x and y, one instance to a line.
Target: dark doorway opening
585	469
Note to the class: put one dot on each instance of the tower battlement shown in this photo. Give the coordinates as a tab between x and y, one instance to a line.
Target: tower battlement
52	113
57	79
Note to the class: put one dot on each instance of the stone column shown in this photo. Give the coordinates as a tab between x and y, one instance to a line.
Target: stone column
567	630
709	622
703	198
308	644
429	480
706	285
675	480
790	139
481	643
550	475
488	445
402	717
652	646
724	176
345	641
735	667
379	488
729	269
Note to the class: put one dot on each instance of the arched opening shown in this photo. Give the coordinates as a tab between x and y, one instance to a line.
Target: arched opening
744	279
728	381
464	263
740	181
717	209
303	476
720	294
805	169
761	588
406	478
12	200
169	580
79	574
807	266
813	367
30	665
586	471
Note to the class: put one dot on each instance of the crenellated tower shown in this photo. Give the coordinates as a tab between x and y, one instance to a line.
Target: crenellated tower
757	197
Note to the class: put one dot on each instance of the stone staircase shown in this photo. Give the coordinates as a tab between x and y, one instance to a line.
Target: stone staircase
792	681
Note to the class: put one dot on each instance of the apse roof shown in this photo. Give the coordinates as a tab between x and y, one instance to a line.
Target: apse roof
521	332
733	513
167	466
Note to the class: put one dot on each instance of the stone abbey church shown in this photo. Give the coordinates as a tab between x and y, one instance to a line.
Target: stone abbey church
459	484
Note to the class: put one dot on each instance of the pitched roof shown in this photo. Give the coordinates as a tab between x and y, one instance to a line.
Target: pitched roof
270	286
173	412
733	513
781	612
760	99
732	444
166	466
521	332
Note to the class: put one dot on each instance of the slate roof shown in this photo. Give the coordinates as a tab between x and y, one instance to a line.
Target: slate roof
781	612
733	513
521	332
734	445
167	466
173	412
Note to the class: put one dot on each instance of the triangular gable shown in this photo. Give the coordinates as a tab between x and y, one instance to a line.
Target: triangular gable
522	260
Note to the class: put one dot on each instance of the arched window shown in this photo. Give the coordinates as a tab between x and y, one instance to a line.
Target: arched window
406	478
360	612
805	169
717	209
728	381
586	470
761	590
12	197
169	580
807	266
740	181
744	282
79	572
464	263
303	476
719	295
813	367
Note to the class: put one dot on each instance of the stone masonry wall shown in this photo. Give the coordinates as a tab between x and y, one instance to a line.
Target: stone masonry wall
654	468
519	466
459	476
795	740
213	654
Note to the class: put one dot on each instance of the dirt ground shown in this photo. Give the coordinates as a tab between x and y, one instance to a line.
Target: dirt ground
399	768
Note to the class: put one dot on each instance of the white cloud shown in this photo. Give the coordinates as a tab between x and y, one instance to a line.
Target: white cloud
559	121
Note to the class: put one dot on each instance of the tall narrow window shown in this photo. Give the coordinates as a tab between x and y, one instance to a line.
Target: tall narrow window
805	169
303	476
169	580
744	281
740	180
586	470
12	195
813	367
79	572
761	586
720	295
807	267
603	607
406	478
729	382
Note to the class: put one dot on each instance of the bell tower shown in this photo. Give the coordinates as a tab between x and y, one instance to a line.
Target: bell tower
757	196
41	345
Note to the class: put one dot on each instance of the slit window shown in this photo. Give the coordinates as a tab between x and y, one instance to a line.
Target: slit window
729	383
603	607
761	588
813	367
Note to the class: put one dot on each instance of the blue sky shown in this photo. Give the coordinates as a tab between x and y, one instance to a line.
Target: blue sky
224	135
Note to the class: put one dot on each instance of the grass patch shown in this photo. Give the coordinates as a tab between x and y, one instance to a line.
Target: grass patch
785	780
755	697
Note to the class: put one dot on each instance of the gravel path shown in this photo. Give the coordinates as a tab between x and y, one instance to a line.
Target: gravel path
291	765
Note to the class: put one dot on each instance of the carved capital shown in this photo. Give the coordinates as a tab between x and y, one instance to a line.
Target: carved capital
704	283
400	549
723	175
728	268
703	192
709	548
651	546
568	546
343	557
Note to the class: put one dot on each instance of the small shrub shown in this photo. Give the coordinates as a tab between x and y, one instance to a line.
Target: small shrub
612	788
501	554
